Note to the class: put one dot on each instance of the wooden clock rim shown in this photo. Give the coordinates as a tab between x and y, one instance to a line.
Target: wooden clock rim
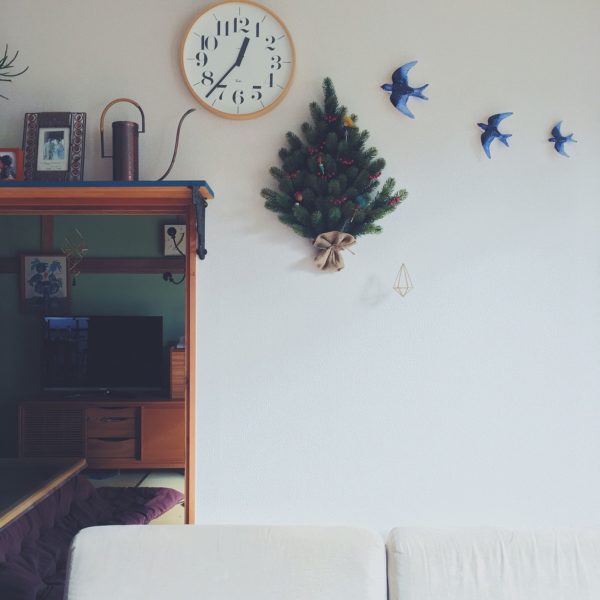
207	106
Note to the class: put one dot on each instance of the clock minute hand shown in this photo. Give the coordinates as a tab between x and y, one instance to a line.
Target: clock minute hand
237	63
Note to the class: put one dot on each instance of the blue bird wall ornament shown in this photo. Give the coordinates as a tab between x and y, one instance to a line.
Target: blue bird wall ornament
491	133
401	91
560	140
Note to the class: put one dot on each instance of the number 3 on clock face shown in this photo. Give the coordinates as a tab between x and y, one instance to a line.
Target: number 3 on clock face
238	59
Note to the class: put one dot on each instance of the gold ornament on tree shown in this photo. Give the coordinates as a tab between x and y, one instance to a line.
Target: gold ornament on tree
403	283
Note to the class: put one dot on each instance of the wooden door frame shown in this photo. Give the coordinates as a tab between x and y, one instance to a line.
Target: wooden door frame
190	367
139	198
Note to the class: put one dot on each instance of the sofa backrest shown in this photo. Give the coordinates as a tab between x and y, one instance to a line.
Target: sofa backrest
493	564
227	562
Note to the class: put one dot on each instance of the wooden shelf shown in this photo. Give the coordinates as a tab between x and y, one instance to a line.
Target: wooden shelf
185	199
100	197
131	266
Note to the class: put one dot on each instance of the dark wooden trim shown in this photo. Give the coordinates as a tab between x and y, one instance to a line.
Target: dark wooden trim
9	264
46	233
132	266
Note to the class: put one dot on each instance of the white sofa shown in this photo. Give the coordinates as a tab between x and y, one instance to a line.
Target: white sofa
493	564
167	562
331	563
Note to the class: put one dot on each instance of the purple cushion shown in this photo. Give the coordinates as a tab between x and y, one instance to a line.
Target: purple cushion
34	548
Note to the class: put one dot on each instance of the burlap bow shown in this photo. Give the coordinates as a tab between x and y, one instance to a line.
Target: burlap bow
330	245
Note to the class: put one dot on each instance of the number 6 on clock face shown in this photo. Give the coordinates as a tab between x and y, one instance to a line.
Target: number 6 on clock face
238	59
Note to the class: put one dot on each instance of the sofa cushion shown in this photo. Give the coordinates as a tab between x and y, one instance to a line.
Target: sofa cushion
493	564
227	562
34	548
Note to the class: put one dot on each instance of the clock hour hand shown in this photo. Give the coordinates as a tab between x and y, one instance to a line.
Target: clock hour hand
240	57
237	63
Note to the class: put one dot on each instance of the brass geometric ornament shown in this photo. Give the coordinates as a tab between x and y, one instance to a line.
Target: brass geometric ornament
75	250
403	283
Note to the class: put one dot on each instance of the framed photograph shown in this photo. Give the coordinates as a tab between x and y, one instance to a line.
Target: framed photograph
54	146
45	284
11	164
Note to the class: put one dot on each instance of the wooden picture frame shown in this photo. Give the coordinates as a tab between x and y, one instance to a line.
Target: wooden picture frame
45	284
54	146
11	164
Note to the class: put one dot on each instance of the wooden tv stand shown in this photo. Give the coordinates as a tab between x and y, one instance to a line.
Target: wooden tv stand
110	433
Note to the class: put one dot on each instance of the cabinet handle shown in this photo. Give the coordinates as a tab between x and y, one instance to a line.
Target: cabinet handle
112	419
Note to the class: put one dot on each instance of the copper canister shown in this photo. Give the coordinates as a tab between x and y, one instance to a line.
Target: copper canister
126	165
125	144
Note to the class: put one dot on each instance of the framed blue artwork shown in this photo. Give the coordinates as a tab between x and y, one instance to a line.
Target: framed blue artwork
45	285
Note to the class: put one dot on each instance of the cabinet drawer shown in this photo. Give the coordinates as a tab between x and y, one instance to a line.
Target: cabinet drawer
111	422
111	448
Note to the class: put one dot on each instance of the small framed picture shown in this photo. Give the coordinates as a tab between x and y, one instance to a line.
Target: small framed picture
54	146
11	164
45	284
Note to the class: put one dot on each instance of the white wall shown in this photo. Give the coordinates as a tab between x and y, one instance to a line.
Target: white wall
328	398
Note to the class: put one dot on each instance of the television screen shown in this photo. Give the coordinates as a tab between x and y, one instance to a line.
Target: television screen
102	353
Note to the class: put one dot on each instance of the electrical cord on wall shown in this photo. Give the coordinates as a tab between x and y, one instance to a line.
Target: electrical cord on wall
167	275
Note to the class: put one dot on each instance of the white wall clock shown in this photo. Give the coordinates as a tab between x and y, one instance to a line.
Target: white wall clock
238	59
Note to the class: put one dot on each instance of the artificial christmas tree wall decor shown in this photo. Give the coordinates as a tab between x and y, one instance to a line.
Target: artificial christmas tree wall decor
328	185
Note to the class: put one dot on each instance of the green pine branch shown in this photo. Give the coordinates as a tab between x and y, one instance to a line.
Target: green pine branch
328	179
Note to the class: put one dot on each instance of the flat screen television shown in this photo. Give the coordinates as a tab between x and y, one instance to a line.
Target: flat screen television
102	353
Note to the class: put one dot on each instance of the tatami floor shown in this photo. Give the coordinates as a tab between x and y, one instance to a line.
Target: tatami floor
171	478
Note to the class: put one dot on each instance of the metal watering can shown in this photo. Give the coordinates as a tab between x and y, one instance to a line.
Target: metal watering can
126	143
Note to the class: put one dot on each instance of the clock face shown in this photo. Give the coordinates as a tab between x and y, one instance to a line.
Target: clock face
238	59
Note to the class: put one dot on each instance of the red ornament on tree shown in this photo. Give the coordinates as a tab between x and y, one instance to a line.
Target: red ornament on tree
298	196
339	201
394	200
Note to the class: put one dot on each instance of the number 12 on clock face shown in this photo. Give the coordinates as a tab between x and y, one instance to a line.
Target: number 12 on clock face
238	59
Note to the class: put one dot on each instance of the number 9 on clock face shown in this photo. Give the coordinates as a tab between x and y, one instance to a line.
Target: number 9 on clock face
238	59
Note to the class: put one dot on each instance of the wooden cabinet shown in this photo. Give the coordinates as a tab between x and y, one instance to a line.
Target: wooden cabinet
51	430
163	433
177	370
124	434
63	430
